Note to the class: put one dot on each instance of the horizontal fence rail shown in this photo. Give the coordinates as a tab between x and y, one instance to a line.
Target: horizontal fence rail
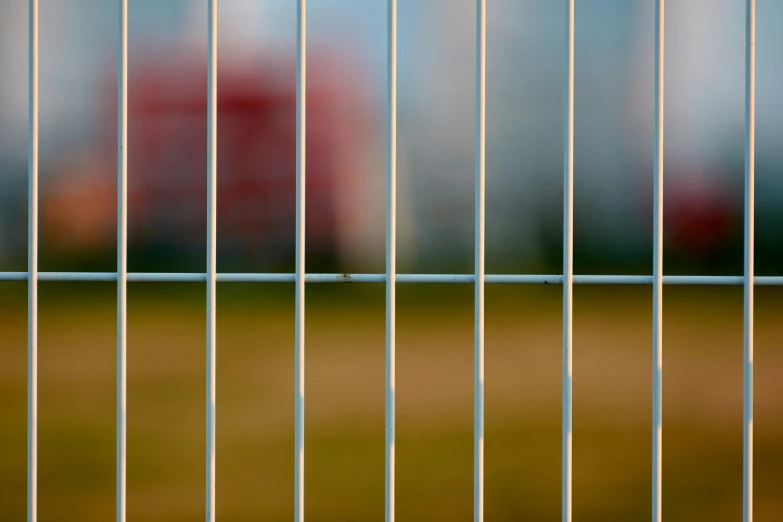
390	278
509	279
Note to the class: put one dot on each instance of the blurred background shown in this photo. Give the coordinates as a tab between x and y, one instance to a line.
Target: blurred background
704	165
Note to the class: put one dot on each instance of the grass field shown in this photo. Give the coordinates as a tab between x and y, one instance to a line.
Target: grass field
345	403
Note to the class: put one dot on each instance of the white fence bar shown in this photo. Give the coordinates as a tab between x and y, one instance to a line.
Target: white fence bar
211	251
657	333
32	273
506	279
122	259
750	166
478	408
391	260
568	263
299	336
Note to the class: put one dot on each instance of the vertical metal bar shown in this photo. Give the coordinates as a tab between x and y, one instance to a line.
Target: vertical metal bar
122	258
391	258
478	381
750	166
299	337
32	271
568	262
657	378
211	251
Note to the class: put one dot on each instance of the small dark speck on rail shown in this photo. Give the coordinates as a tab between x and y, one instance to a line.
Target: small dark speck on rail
346	278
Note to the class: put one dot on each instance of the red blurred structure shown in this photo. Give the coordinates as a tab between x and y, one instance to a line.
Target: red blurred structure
701	215
256	158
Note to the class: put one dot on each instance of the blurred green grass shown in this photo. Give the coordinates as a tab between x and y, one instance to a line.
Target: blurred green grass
345	402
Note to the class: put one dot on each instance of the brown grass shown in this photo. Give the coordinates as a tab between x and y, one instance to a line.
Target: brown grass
345	404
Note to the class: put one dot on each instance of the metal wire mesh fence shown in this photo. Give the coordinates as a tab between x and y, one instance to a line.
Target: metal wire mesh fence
390	278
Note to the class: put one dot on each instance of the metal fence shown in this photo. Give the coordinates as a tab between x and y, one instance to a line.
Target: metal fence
567	279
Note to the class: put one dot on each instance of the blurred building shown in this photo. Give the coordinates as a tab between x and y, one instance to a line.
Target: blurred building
167	136
614	74
704	144
525	131
705	125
